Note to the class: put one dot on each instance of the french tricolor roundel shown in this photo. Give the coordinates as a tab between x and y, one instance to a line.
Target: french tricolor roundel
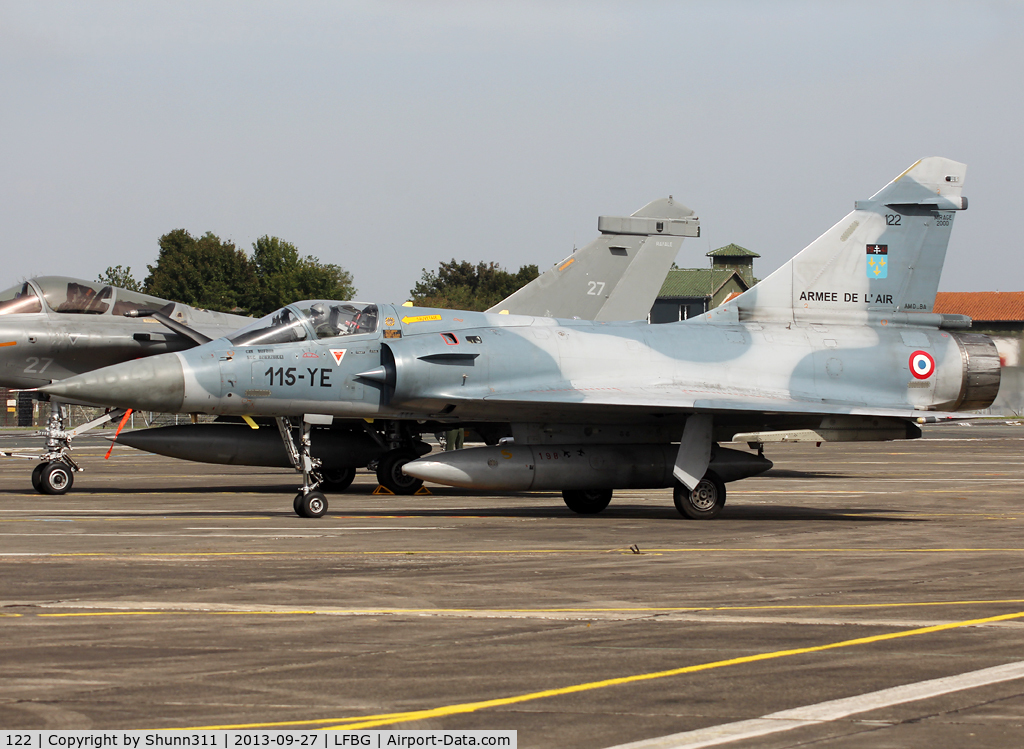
922	365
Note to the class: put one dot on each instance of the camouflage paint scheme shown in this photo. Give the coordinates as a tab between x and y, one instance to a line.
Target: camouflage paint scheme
824	348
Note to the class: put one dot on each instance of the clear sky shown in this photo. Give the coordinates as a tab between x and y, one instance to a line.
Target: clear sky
389	136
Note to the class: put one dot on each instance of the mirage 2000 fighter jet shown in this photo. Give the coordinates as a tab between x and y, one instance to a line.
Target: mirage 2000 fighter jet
840	343
617	276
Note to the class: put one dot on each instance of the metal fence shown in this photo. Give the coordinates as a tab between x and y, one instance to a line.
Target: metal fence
23	411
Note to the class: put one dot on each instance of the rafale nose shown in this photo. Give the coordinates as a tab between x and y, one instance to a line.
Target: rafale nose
155	383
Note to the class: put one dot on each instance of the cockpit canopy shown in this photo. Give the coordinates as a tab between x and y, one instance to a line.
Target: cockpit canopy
19	300
315	319
73	296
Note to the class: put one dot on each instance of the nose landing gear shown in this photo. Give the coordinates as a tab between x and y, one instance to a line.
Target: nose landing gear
309	502
312	504
55	474
55	477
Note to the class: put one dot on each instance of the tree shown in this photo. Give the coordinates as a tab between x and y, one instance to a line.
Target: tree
207	272
119	276
203	272
462	285
284	277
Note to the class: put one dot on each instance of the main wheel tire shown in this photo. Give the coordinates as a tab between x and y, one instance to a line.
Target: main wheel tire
338	479
56	478
312	505
37	481
390	476
704	502
586	501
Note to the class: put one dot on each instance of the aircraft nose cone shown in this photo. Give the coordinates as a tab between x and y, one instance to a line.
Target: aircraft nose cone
155	383
439	472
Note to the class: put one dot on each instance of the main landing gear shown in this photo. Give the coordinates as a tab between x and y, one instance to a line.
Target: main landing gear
586	501
389	472
704	501
337	479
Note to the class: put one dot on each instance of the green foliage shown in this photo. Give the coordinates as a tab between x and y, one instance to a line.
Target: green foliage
117	275
207	272
203	272
462	285
284	277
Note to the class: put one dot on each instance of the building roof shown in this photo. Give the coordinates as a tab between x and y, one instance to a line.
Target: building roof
697	282
982	305
732	250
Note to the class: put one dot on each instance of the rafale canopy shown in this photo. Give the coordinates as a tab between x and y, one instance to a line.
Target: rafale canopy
73	296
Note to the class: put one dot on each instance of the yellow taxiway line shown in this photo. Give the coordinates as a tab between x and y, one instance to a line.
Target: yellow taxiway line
528	552
373	721
539	610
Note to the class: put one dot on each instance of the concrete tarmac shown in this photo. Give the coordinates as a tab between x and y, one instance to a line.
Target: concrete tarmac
163	594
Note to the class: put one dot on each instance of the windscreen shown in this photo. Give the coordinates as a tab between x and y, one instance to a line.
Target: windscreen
283	326
77	297
326	318
74	296
20	299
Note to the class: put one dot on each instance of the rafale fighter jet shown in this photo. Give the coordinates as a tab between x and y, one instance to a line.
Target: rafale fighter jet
617	276
838	344
54	327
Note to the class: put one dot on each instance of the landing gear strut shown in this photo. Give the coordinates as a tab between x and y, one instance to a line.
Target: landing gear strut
56	474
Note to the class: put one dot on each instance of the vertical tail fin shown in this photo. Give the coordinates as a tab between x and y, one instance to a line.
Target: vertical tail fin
615	277
884	257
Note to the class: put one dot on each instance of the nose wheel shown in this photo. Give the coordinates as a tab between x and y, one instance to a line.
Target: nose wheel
54	477
310	505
